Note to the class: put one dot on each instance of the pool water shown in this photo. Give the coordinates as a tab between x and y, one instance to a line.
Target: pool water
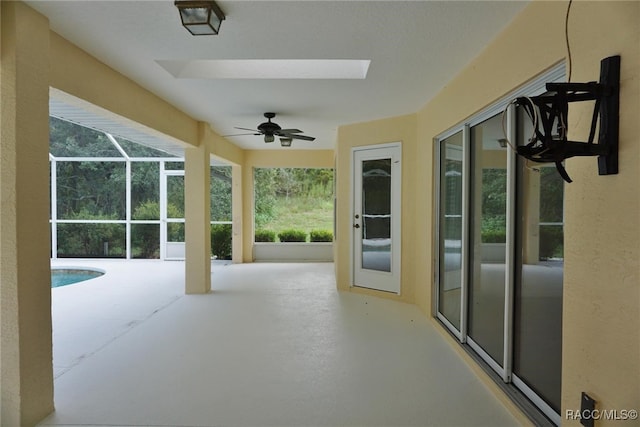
67	276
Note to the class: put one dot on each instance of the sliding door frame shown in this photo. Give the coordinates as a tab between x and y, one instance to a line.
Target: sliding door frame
535	87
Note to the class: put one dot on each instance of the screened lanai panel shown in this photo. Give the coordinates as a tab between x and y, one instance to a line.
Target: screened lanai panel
220	193
145	241
91	190
138	150
145	190
175	197
174	166
78	111
102	240
68	139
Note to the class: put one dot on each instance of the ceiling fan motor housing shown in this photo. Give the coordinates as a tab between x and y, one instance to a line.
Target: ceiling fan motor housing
268	127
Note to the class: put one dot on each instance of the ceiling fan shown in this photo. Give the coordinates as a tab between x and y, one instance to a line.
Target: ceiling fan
270	130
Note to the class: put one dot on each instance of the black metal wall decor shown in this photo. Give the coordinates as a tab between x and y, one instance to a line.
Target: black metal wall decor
548	113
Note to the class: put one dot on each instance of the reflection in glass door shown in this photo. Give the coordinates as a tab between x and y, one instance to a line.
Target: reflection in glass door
450	243
376	215
487	239
537	363
376	218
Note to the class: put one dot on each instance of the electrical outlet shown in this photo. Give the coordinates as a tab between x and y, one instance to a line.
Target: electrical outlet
587	406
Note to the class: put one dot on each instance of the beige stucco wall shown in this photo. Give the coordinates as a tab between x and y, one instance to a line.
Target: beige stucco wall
601	317
219	147
115	93
396	129
26	374
272	159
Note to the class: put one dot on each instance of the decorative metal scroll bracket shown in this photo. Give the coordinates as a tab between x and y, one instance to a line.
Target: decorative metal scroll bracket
548	112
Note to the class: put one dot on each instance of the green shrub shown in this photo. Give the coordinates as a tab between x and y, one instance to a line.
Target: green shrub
292	236
145	241
221	241
494	236
551	242
321	236
148	210
265	236
91	240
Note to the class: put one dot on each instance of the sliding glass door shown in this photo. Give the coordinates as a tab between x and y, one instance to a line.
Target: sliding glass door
500	250
537	359
487	240
451	230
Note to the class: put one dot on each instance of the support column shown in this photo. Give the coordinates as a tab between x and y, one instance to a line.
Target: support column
26	374
248	209
237	213
197	201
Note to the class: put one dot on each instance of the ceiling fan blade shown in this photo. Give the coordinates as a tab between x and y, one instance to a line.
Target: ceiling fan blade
302	137
252	130
288	131
241	134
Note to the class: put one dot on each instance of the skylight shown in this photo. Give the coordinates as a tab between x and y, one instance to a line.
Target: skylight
267	68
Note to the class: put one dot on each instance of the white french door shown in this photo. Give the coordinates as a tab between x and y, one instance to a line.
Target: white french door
376	217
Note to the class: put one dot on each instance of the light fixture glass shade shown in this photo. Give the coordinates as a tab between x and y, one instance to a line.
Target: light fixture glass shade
200	17
285	142
269	138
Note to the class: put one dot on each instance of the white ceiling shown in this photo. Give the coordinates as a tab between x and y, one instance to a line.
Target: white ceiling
415	48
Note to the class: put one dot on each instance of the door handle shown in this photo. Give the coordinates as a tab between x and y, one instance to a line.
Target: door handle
356	225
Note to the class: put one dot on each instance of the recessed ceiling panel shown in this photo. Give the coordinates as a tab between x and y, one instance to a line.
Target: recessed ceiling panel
267	68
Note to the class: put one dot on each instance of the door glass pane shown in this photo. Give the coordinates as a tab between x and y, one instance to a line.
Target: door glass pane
376	214
488	230
175	196
450	262
175	232
540	264
145	190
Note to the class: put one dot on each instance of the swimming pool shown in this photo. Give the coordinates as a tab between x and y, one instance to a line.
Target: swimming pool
62	276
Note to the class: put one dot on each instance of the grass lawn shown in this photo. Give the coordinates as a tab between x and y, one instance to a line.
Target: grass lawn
301	213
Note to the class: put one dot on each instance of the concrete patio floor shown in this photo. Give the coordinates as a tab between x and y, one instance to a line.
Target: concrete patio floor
272	345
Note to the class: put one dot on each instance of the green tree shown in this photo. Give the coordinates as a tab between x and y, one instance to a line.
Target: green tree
293	197
264	183
97	188
494	205
221	193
